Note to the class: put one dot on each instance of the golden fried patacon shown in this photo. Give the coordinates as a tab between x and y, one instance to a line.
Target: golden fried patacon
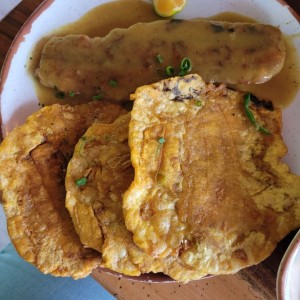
33	161
209	186
97	176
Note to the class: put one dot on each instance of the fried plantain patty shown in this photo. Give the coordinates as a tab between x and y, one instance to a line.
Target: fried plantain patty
33	161
209	188
102	158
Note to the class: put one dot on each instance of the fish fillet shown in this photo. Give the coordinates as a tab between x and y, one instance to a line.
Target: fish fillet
115	65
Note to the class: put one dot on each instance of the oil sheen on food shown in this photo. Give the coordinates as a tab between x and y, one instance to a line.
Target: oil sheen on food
281	89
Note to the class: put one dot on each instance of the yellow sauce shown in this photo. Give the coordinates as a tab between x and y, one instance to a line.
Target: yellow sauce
231	17
283	87
102	19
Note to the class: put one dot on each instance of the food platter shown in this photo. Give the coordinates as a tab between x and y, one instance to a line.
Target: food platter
18	94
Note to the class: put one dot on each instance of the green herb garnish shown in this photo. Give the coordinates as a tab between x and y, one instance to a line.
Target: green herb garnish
185	66
98	97
113	83
198	103
161	140
250	116
71	93
81	181
170	71
159	58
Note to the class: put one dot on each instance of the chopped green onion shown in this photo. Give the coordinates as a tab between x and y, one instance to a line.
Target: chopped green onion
97	97
113	83
185	66
170	71
161	140
81	181
250	116
159	58
198	103
71	93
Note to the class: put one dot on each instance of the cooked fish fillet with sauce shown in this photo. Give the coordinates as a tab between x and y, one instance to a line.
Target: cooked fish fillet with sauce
209	188
33	161
115	65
